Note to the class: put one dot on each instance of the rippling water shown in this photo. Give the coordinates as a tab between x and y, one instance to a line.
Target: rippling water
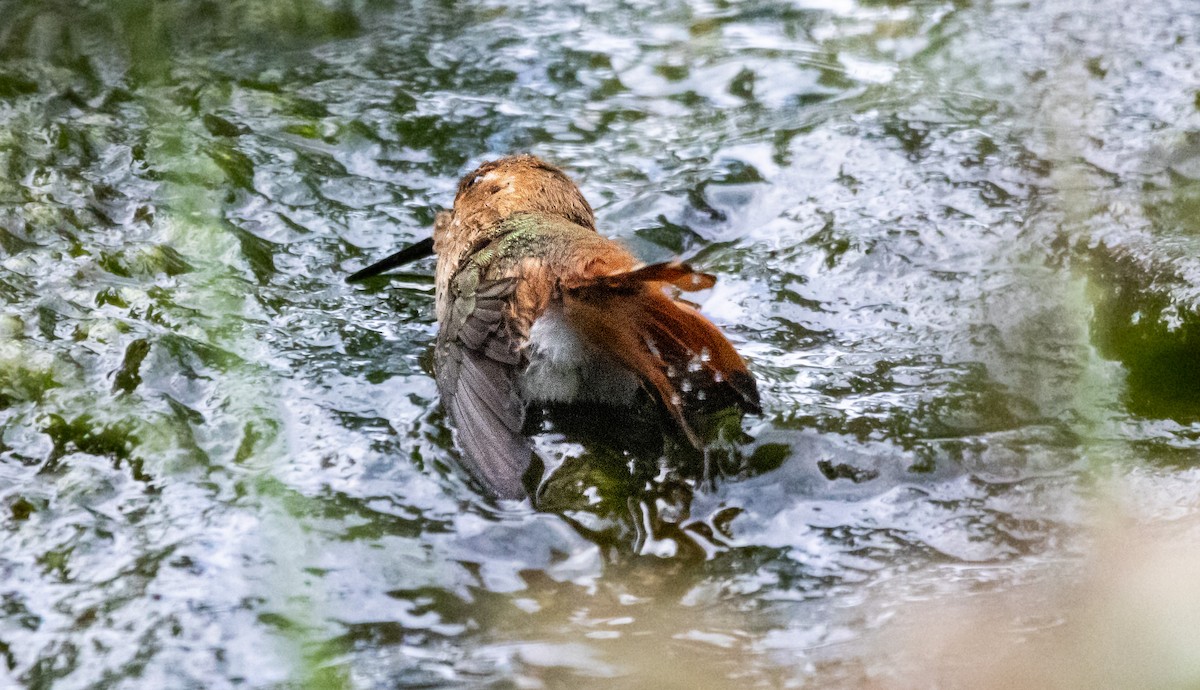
956	241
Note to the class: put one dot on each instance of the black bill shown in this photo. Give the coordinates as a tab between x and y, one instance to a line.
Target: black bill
409	254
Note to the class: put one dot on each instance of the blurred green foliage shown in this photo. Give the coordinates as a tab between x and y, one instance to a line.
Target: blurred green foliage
153	32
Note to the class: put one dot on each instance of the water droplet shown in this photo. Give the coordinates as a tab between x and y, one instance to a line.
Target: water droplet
653	347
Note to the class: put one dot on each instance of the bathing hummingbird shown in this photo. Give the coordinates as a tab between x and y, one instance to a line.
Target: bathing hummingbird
534	306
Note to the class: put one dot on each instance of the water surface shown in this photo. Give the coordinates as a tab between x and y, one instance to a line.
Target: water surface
955	240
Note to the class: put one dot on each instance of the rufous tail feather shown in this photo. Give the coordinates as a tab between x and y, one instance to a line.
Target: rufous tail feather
678	353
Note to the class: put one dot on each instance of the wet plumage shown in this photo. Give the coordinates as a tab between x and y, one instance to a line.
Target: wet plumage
534	306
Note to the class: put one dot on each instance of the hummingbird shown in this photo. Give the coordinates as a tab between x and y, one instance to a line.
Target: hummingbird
534	306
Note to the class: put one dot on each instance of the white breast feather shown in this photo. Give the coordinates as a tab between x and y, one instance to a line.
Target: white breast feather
563	368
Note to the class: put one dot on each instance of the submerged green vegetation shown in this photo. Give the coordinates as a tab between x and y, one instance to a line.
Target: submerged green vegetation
956	241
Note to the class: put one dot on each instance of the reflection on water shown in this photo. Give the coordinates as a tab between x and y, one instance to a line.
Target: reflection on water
955	240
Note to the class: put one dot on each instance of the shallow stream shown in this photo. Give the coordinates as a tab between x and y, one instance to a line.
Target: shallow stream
956	240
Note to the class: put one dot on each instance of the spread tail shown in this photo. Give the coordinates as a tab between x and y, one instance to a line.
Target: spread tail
680	356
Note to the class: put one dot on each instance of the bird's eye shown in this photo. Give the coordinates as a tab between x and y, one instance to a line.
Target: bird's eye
475	179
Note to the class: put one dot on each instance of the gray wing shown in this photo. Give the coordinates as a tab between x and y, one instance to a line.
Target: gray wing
476	363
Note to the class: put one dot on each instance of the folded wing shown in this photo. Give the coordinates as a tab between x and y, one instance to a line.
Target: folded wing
476	367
